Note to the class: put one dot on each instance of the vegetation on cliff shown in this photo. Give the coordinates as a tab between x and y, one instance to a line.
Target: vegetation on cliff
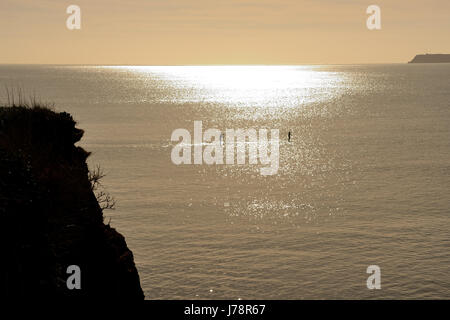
50	216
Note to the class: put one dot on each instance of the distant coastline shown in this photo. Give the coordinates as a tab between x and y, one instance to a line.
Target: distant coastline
431	58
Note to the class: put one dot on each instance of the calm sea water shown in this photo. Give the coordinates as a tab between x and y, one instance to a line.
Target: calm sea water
364	181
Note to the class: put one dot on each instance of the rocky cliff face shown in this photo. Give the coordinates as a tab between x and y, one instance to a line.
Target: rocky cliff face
431	58
50	217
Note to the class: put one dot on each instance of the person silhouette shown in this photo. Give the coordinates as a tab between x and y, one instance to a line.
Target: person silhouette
289	136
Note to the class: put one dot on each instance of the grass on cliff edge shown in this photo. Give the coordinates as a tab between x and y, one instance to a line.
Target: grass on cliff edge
16	97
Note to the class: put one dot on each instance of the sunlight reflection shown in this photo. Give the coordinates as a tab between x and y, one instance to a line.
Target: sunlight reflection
262	86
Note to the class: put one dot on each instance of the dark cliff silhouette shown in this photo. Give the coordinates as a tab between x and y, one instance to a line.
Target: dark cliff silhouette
431	58
50	216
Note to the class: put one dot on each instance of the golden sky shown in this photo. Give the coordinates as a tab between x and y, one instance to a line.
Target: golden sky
178	32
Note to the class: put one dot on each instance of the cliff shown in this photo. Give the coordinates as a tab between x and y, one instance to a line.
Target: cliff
431	58
50	216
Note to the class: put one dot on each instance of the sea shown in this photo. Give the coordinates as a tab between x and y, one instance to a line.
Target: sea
364	180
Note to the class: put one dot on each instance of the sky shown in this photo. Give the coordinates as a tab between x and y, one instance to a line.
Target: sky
203	32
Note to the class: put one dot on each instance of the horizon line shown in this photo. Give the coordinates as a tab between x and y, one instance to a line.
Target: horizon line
196	65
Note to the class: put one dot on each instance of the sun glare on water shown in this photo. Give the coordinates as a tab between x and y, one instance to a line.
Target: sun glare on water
250	86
